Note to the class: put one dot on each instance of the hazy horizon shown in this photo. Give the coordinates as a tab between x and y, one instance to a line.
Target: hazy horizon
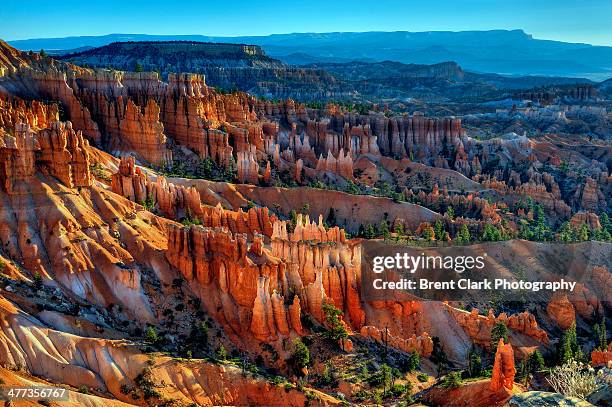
546	19
298	33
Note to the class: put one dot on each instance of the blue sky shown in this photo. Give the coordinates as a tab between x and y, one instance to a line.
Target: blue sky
588	21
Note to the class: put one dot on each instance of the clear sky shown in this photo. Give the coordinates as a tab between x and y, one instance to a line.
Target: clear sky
588	21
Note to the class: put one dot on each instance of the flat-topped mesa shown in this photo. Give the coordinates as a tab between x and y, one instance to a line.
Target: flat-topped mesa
422	344
478	327
503	367
58	151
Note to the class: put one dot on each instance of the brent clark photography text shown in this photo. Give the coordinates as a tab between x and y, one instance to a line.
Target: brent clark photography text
404	262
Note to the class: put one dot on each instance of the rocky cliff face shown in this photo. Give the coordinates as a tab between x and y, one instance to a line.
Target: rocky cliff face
264	291
58	151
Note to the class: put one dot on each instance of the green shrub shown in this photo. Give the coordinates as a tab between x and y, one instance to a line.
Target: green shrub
151	335
300	355
399	389
451	380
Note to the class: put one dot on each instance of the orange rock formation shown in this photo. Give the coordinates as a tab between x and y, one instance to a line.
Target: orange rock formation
561	310
602	357
421	344
503	367
478	327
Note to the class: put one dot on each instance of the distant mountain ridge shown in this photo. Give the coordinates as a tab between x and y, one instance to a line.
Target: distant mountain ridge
183	56
358	70
511	52
225	65
248	68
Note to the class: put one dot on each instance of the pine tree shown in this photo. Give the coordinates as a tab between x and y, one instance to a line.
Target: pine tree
605	222
535	362
583	234
383	228
331	217
566	233
414	361
151	335
292	220
399	229
438	230
450	212
428	233
369	232
601	336
38	281
222	353
463	237
474	363
569	349
336	330
385	372
490	233
499	330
